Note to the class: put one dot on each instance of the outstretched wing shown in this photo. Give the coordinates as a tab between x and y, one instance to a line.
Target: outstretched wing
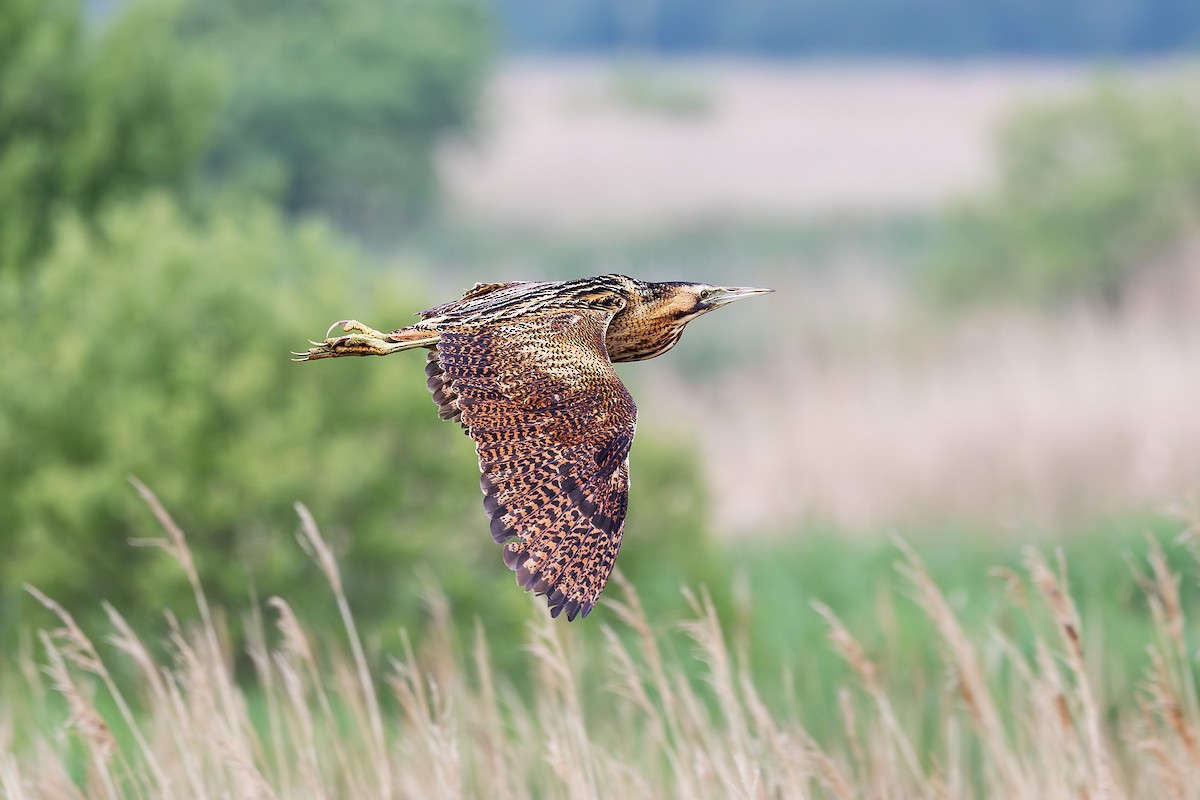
552	425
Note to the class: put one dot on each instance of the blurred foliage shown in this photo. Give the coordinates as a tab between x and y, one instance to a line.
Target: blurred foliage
1090	192
336	107
641	88
85	119
157	346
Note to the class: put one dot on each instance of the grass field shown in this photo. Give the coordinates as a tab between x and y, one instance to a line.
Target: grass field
972	669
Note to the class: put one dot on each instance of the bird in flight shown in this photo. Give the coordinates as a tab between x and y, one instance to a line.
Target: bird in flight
527	368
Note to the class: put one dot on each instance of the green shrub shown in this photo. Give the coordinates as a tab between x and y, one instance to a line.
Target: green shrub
1090	191
336	107
87	119
159	348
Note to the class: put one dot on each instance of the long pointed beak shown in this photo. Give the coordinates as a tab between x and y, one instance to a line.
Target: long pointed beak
727	294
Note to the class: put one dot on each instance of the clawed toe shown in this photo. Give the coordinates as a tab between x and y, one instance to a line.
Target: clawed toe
352	326
318	350
344	324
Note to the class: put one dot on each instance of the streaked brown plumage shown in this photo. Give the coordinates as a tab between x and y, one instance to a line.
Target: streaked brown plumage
527	369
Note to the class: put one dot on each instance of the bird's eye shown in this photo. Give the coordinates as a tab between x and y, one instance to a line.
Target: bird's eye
706	293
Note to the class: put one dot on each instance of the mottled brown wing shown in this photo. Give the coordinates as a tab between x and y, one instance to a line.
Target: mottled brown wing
552	425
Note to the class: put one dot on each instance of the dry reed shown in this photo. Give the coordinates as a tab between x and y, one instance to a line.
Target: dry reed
1019	721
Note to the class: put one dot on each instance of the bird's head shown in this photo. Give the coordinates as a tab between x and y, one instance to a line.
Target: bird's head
686	301
652	322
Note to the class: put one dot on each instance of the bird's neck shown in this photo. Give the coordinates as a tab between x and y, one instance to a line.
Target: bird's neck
642	331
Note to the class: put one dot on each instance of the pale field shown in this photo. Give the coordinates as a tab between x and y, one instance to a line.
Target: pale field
847	401
559	150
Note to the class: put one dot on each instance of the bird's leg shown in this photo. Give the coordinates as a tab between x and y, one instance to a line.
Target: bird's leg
348	325
366	342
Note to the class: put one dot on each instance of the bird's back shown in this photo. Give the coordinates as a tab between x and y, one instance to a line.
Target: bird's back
491	303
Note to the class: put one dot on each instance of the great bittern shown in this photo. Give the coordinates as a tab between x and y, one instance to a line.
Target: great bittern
527	369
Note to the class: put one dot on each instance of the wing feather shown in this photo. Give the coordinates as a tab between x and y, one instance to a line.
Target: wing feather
552	425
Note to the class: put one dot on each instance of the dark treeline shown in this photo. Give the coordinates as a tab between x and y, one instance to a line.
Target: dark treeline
783	28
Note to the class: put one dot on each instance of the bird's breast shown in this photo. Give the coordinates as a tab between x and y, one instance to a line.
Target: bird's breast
640	339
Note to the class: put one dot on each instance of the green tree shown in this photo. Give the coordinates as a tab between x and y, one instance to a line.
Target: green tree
1090	191
85	119
336	107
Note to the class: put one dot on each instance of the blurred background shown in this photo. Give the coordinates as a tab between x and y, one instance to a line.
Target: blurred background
982	219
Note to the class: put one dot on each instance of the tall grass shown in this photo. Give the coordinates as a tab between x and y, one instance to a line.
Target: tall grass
318	715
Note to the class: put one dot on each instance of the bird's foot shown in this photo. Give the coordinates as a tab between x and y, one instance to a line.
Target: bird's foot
366	342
